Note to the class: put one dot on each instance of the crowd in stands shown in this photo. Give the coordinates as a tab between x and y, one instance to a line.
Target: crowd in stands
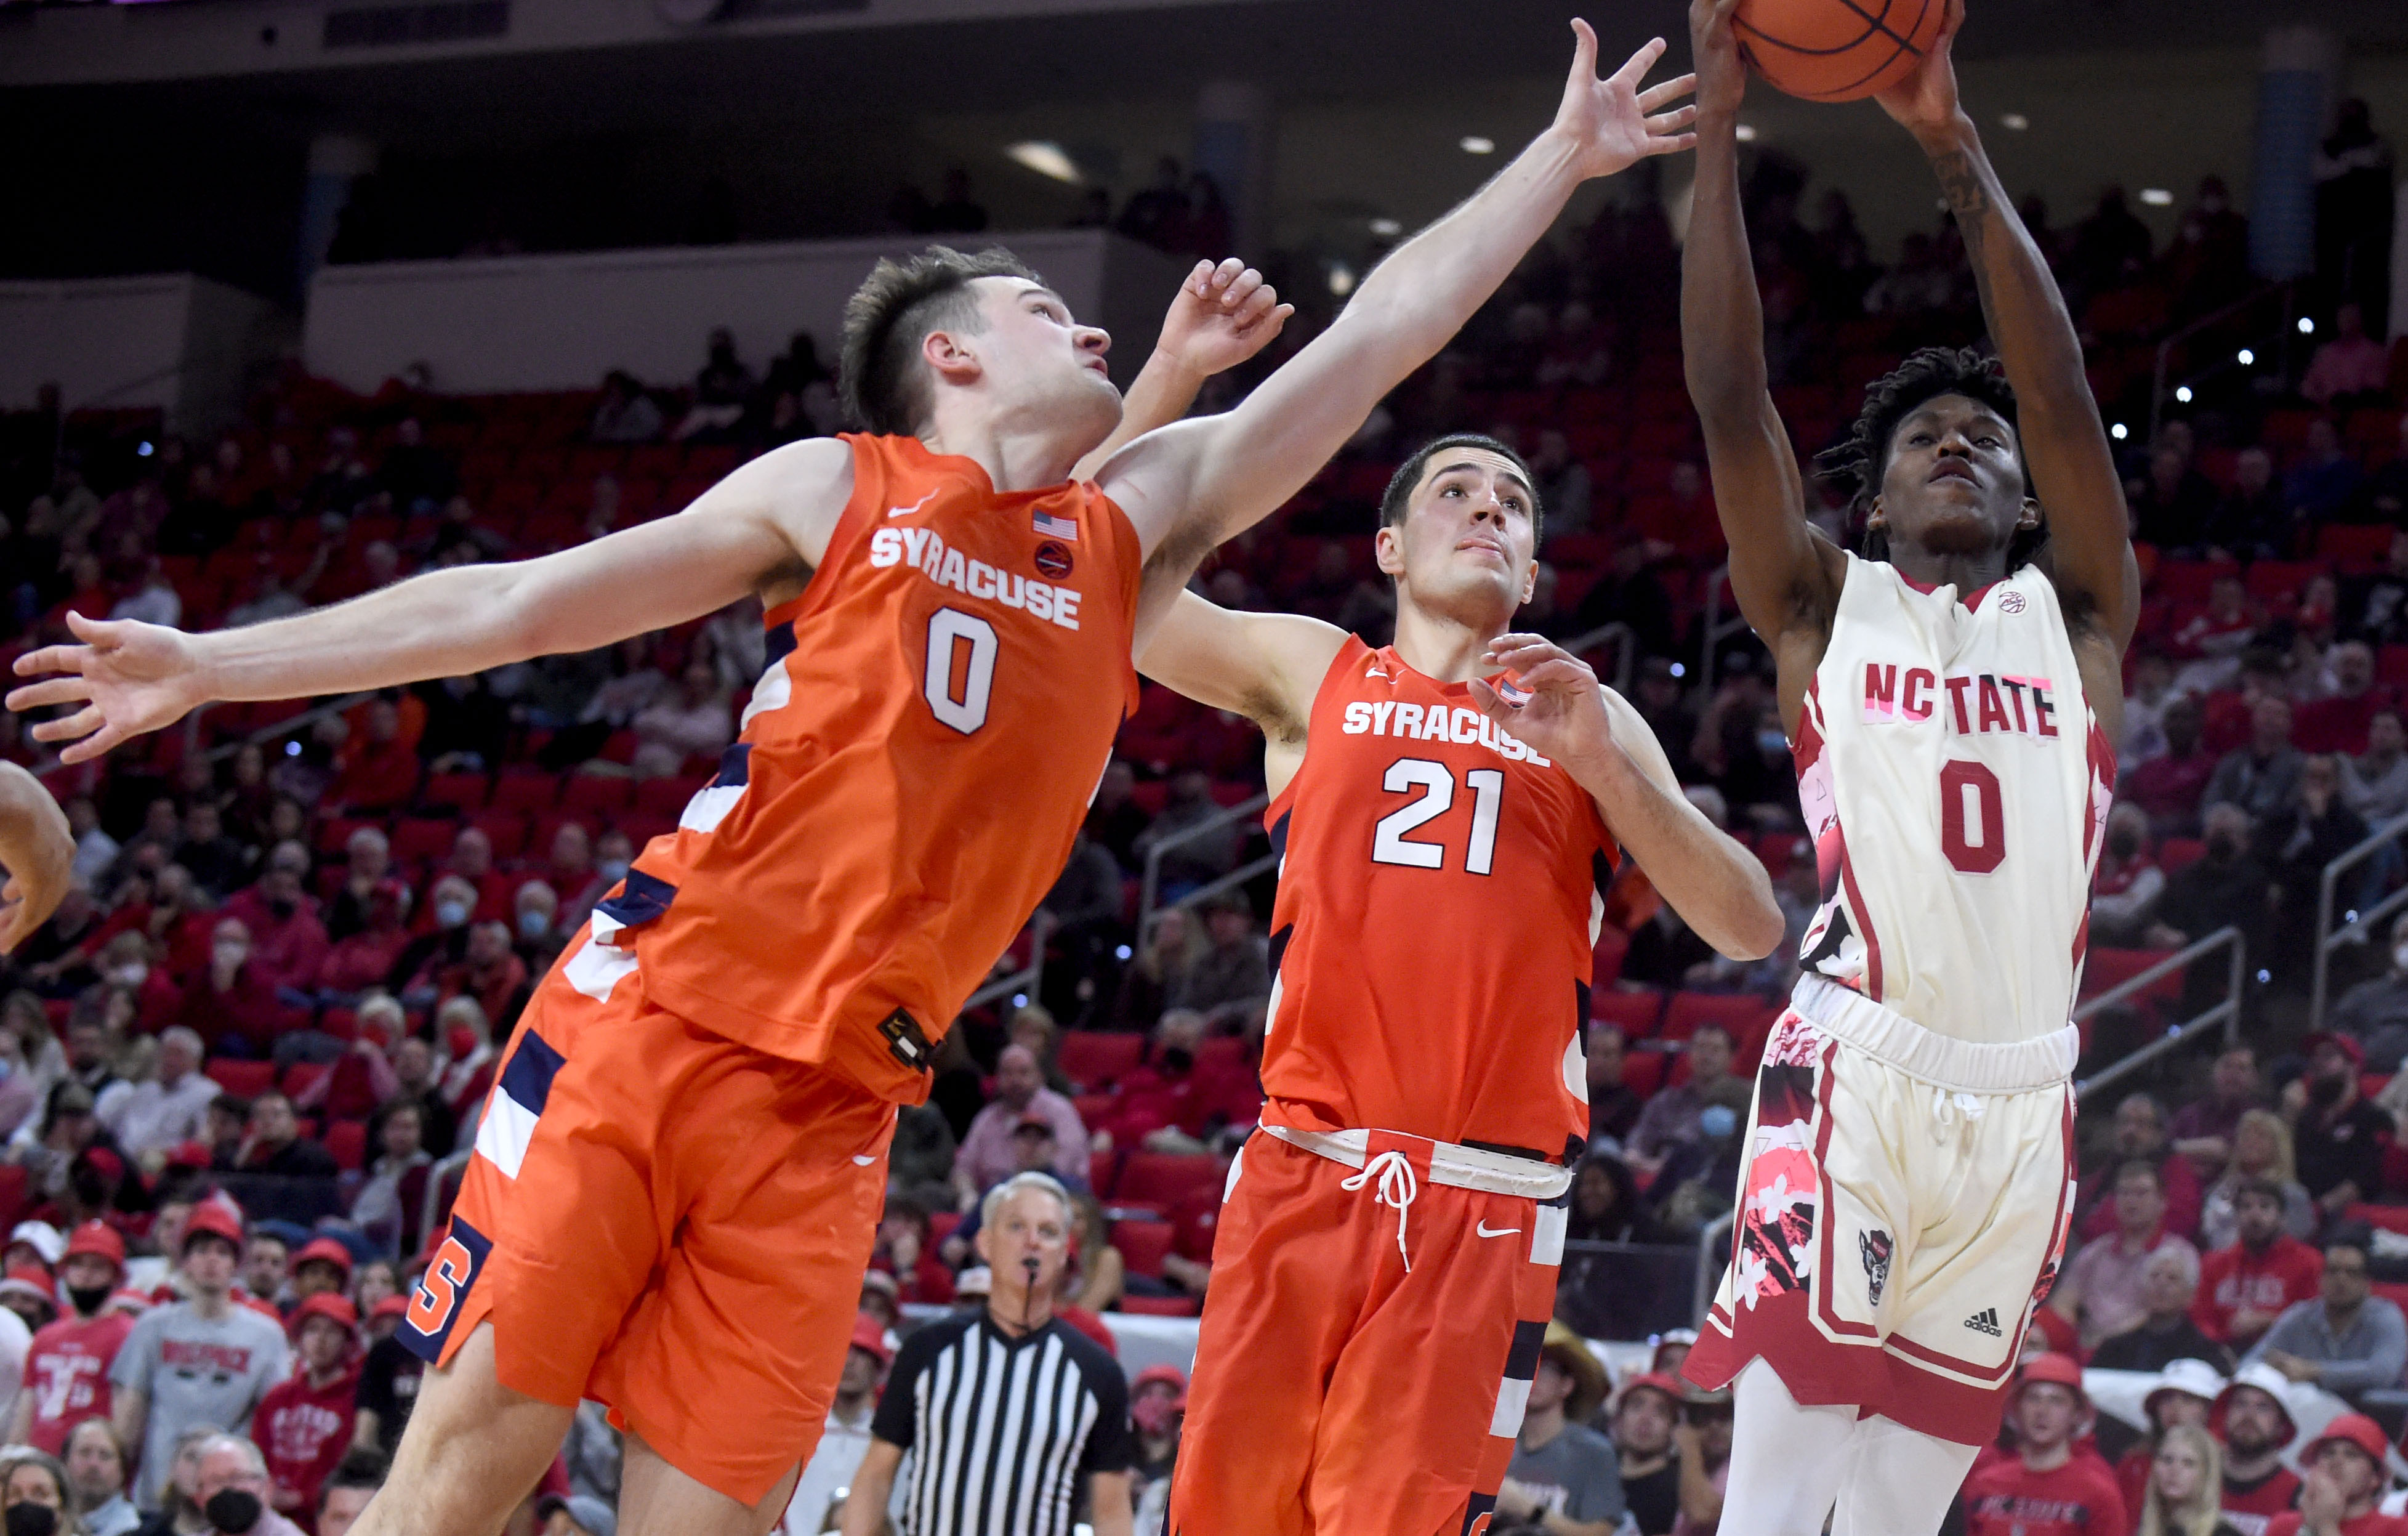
245	1061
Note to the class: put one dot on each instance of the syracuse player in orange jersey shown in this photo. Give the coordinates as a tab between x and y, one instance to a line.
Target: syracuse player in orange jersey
1385	1262
681	1166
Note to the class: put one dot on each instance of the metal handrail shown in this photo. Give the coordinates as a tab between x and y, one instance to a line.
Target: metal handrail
1714	628
2356	924
1626	654
1029	977
2173	339
1710	1274
1152	883
2227	1013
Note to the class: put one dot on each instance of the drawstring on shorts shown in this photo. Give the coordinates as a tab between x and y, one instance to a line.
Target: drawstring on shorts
1946	1107
1396	1188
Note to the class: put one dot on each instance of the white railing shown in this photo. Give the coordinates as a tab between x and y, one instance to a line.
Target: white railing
1626	651
1026	980
1714	628
2227	1013
1151	891
2356	924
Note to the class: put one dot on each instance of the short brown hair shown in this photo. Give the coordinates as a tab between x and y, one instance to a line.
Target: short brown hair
892	313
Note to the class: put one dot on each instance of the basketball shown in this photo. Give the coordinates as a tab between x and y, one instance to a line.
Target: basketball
1837	50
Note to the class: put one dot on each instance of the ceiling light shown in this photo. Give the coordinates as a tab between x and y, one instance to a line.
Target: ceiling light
2157	197
2118	432
1747	133
1044	157
2015	123
1386	229
2307	326
2182	395
2247	357
1474	144
1342	278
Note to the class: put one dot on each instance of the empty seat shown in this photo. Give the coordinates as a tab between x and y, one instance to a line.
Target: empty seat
1164	1178
1634	1014
1094	1059
347	1143
1143	1244
242	1079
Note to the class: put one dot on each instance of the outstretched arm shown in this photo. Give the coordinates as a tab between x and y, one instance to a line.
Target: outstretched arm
1785	575
37	854
1720	889
771	518
1190	486
1221	316
1265	666
2073	469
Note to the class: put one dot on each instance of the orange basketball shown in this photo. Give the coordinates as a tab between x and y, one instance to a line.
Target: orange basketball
1837	50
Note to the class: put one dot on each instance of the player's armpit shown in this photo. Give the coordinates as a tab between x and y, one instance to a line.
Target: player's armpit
1265	666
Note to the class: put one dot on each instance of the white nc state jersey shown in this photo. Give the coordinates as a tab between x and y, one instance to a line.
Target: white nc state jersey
1955	786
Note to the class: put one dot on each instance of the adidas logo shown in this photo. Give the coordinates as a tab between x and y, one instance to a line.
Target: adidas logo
1985	1321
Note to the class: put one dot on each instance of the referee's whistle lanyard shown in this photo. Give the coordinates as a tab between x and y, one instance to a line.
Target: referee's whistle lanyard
1396	1188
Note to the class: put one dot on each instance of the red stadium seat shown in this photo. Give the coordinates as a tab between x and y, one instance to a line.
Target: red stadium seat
1738	1014
1221	1054
1634	1014
2393	1291
1643	1071
1164	1178
2280	580
1142	1244
417	839
301	1075
462	792
2353	545
525	790
1096	1059
507	830
1094	1107
2391	664
15	1191
597	795
2176	854
942	1225
347	1141
242	1079
2105	969
667	797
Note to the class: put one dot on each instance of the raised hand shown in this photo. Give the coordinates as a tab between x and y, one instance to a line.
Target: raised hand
1564	719
1609	120
1925	100
1223	315
131	677
1713	54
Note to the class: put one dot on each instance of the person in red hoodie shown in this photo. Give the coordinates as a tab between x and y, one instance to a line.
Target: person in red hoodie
2345	1476
67	1371
2046	1489
2244	1288
304	1423
2255	1427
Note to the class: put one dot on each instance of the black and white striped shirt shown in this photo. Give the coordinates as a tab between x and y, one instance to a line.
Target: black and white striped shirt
1003	1429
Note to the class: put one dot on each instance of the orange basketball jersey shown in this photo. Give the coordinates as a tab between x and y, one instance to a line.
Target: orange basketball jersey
1438	904
940	705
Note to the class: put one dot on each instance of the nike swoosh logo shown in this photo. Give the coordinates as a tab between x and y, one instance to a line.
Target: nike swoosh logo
907	511
1482	1227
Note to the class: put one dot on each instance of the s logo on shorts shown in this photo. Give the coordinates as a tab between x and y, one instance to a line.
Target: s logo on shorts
434	1306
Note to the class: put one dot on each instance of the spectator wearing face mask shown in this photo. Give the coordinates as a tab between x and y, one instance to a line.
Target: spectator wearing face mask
233	1003
231	1484
67	1364
467	1040
2128	882
288	944
452	904
535	928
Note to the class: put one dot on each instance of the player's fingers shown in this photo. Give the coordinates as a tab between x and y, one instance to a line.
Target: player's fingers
1561	672
1230	269
1672	122
53	658
101	633
1268	325
1249	282
1669	144
1635	68
68	727
1951	18
1583	52
1200	280
1656	97
85	750
35	695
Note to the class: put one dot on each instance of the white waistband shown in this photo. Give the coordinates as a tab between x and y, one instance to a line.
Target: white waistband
1960	1065
1459	1167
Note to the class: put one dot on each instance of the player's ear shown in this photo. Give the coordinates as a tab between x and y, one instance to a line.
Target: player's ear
1875	518
2030	517
949	357
1388	550
1530	582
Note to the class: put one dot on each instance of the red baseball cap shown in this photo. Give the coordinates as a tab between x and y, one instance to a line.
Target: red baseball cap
96	1239
34	1281
2347	1045
212	1218
869	1334
325	1304
2355	1429
1653	1381
392	1306
324	1250
1168	1375
2062	1370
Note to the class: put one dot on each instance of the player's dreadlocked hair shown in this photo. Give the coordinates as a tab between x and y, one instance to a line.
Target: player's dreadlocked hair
1857	462
878	374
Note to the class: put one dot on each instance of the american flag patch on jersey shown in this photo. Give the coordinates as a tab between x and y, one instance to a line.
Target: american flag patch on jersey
1510	689
1057	527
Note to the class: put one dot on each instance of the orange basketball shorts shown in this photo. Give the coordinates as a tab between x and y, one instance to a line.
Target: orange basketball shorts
666	1222
1335	1390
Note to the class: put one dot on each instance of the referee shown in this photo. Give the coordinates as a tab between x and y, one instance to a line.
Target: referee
1007	1408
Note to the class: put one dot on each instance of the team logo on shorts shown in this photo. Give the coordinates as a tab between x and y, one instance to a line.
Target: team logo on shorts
1874	1246
1052	560
1985	1321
